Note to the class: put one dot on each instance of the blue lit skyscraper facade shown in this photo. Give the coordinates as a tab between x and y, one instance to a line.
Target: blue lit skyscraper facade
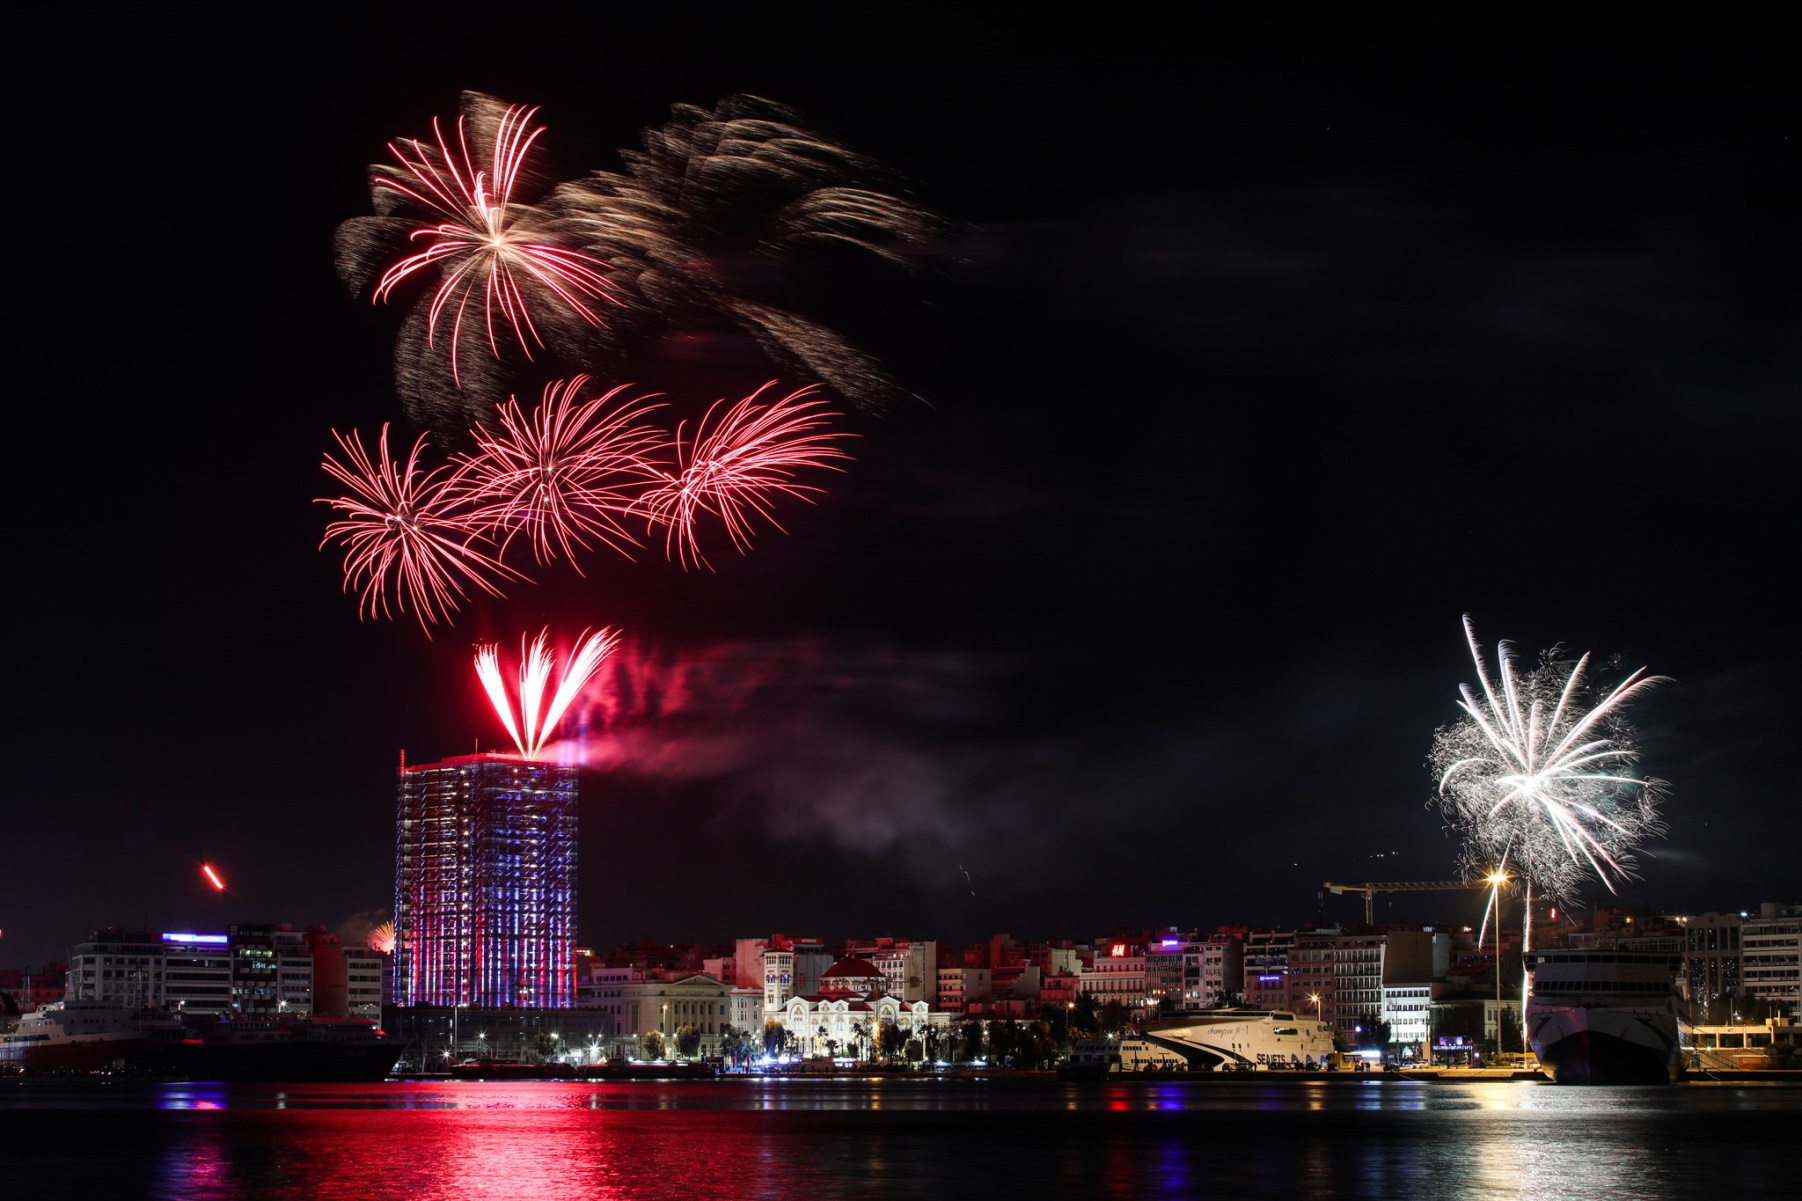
485	883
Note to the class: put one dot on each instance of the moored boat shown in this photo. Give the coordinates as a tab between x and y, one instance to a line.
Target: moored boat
92	1036
1604	1017
289	1049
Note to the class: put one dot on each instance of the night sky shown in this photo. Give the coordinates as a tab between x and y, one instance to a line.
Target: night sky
1241	381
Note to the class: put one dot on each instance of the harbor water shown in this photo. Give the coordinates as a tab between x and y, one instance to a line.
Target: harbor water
832	1138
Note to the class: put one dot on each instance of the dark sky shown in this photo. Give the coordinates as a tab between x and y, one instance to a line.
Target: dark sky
1247	377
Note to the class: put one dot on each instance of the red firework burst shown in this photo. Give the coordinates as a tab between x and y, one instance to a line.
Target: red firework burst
488	243
407	530
564	474
736	466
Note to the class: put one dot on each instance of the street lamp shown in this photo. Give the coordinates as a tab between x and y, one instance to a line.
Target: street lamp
1495	880
1315	997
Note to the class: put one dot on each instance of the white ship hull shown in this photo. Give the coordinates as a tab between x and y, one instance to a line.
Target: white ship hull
1604	1044
1604	1017
1244	1038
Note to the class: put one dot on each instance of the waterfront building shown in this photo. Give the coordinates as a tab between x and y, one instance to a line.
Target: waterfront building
121	967
1711	956
1729	1046
272	970
433	1037
331	997
1408	1009
1771	956
252	970
910	968
1060	989
744	1011
677	1007
791	967
1364	962
959	987
1266	968
1313	974
182	970
364	972
1117	974
847	1015
30	989
1213	972
1164	958
485	883
294	973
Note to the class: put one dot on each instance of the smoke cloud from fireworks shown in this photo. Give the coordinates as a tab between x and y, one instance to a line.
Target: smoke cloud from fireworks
1538	775
921	758
747	182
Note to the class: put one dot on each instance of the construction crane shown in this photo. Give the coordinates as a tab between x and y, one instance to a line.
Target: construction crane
1370	891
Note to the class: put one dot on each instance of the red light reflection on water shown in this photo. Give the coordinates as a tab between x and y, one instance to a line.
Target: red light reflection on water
522	1142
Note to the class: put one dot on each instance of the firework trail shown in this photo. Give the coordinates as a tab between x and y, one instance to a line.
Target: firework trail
504	278
212	877
381	938
736	466
406	531
540	708
745	190
1538	772
565	474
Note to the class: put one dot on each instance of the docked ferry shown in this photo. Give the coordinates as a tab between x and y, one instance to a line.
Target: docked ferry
289	1049
1244	1038
91	1036
1604	1017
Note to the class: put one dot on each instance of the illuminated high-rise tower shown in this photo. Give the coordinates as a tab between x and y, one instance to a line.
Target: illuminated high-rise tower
485	883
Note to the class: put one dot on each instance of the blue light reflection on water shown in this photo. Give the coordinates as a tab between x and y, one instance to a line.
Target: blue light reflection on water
827	1139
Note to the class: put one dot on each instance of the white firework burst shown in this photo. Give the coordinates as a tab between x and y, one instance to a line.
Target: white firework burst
1539	773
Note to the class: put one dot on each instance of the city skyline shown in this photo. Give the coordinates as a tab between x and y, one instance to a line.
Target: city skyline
1164	570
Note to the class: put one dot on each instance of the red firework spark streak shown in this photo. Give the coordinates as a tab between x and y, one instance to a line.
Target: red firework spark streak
482	245
405	530
540	709
565	474
212	876
736	466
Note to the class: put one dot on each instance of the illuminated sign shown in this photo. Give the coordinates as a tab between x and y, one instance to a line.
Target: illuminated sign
1118	950
218	938
1268	979
1171	942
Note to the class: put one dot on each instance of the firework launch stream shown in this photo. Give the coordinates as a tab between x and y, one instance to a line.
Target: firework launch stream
535	720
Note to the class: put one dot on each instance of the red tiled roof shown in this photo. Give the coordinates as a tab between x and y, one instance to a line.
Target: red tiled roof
857	969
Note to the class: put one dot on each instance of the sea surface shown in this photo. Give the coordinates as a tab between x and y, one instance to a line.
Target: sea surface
815	1139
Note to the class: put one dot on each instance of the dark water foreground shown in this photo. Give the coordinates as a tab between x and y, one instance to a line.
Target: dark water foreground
810	1140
